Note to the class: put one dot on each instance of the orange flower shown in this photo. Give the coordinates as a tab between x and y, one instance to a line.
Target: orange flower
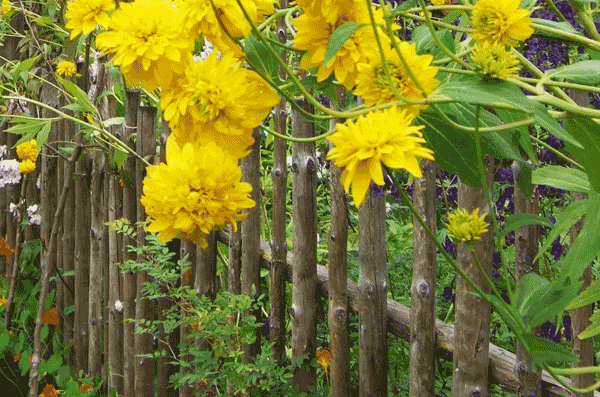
49	391
50	317
195	326
324	358
17	357
11	334
5	248
83	388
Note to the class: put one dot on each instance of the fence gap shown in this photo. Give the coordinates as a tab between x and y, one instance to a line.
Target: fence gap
304	203
424	285
472	318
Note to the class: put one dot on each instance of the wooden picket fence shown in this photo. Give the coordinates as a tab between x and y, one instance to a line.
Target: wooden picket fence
79	193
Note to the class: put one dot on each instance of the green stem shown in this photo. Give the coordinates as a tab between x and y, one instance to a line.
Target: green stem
556	152
294	139
555	375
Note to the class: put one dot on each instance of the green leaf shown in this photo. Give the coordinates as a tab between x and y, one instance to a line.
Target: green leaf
562	26
407	5
260	58
589	296
492	92
524	179
544	351
517	221
63	374
79	96
113	121
22	69
586	247
54	362
552	300
585	130
120	157
339	36
593	329
584	72
567	217
500	307
570	179
427	45
529	285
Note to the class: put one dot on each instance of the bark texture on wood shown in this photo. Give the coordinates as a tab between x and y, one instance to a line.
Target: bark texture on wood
115	319
501	362
372	305
338	277
472	320
304	203
422	328
251	235
277	291
129	212
526	243
144	308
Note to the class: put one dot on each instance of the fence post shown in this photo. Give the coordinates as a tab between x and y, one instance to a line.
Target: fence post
144	308
251	234
422	313
303	311
338	276
372	306
132	104
472	319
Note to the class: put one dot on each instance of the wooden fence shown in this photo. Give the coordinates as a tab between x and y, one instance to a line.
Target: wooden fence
81	190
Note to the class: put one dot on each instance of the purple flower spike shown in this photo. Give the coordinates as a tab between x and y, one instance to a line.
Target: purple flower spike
266	328
557	248
448	294
496	260
505	175
496	275
555	142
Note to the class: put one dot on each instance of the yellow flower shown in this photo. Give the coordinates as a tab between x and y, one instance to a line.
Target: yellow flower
6	7
149	42
438	2
314	33
66	68
501	22
26	166
324	358
382	137
218	97
373	85
201	18
27	150
494	60
465	227
3	301
330	9
85	15
197	191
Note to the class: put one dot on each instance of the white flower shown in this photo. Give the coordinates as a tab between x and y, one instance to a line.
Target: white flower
35	220
2	151
12	208
9	172
38	182
31	210
118	306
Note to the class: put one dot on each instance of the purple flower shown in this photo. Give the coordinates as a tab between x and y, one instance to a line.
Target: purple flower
410	189
555	142
509	239
266	327
450	247
452	195
547	156
506	298
448	294
495	274
557	248
325	100
378	191
567	327
496	260
504	175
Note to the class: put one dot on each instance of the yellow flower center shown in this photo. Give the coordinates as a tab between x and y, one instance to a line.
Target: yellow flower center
400	80
210	100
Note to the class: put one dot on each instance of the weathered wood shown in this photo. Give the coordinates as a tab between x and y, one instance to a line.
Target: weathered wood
501	362
472	320
304	203
372	295
277	296
144	308
526	243
424	284
129	212
251	235
338	292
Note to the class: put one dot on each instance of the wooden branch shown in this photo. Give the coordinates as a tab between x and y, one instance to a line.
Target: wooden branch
502	362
